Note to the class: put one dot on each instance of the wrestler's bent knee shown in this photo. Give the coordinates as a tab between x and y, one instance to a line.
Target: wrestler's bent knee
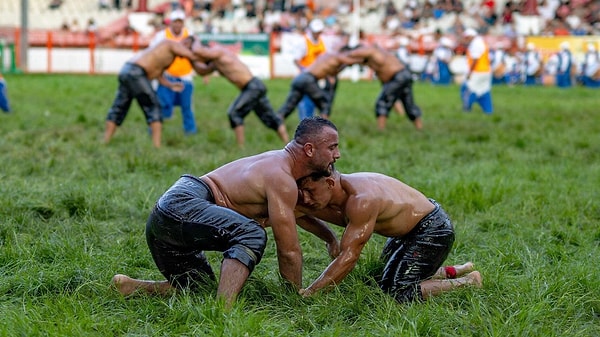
249	247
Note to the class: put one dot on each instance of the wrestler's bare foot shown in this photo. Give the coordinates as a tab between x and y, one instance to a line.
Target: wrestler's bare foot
418	124
459	270
127	285
462	269
124	284
474	278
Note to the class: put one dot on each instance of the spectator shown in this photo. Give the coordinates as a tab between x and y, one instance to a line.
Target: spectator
560	28
478	83
403	52
443	54
65	27
75	27
565	66
532	65
498	62
4	103
547	11
507	13
590	69
55	4
439	9
103	4
91	26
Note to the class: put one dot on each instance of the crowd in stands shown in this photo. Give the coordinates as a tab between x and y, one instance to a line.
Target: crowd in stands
508	17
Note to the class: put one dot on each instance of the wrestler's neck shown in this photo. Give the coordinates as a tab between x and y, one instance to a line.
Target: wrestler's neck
298	163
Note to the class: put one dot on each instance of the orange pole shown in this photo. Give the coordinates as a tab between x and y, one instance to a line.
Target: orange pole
18	47
92	46
271	52
49	51
136	44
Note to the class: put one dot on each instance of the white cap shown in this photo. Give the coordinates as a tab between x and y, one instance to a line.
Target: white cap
177	15
393	24
316	26
591	47
470	32
446	42
530	46
403	41
564	45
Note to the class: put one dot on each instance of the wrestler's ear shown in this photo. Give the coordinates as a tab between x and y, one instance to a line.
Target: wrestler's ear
330	182
309	149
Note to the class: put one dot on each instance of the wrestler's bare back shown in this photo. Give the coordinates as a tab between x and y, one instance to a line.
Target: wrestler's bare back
383	63
227	64
329	64
242	184
156	60
399	207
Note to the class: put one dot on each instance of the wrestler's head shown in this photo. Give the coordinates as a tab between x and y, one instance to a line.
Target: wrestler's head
315	190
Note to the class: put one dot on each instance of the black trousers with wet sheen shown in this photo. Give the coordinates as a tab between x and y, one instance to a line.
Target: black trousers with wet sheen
411	259
185	222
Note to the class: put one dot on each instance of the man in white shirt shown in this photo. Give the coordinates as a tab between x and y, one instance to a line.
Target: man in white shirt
590	69
565	66
532	65
442	55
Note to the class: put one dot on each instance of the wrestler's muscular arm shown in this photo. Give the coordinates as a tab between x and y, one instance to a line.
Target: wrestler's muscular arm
178	49
362	216
204	69
181	50
348	60
321	230
282	194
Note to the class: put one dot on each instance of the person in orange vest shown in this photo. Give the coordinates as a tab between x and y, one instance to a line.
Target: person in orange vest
180	71
4	104
477	86
306	55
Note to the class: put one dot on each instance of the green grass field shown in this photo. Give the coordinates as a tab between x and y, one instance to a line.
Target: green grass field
521	185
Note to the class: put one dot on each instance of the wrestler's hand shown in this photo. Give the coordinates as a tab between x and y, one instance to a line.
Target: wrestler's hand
333	248
305	292
177	87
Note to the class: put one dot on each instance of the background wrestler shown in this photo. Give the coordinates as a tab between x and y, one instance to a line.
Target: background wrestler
134	83
397	82
420	234
253	94
226	210
307	83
